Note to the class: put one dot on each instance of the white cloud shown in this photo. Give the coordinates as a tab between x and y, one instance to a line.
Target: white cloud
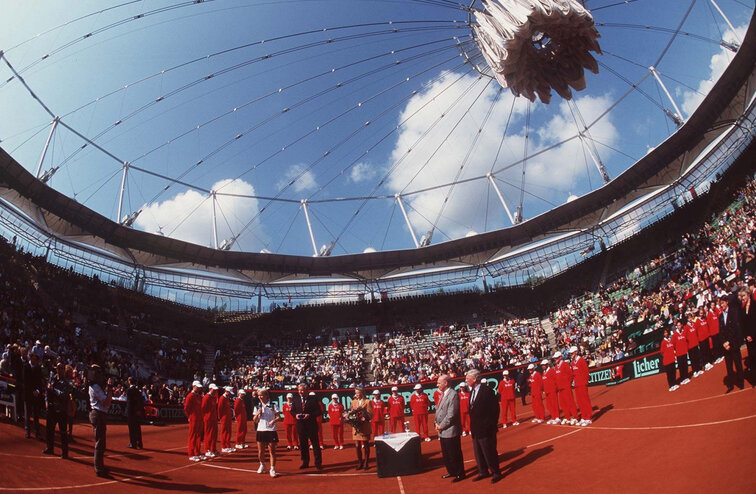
305	182
717	65
361	172
447	150
188	215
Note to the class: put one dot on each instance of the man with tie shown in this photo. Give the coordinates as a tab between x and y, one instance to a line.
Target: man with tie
449	426
731	334
484	416
305	409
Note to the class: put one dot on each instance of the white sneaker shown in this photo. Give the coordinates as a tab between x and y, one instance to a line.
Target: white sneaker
245	446
288	448
296	448
503	426
273	472
261	469
719	360
322	447
586	422
310	446
535	421
335	447
228	450
427	439
341	447
573	422
194	458
696	374
210	454
464	434
565	421
202	457
239	446
674	388
708	367
685	381
515	423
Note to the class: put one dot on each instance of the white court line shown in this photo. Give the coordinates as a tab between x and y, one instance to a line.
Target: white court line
681	402
683	426
401	486
237	469
118	480
544	441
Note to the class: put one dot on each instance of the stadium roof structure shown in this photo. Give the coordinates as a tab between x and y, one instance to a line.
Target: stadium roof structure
705	144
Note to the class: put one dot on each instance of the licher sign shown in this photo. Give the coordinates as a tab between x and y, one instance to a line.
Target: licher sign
647	366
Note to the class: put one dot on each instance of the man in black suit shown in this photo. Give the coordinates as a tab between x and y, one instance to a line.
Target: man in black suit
134	414
484	415
33	393
731	334
305	409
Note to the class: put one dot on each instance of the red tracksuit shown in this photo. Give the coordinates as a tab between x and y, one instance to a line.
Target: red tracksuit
290	424
396	412
668	351
419	404
536	392
712	321
464	410
193	411
224	412
335	418
437	397
702	330
691	335
378	420
580	377
507	396
564	390
549	387
210	416
240	412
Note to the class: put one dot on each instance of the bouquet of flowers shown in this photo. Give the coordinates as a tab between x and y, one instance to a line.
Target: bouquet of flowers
357	416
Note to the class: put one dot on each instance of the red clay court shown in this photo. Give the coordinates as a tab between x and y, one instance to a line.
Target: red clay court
643	438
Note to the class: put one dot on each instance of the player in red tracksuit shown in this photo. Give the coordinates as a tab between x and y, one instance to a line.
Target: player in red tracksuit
396	410
536	394
210	417
290	424
240	412
667	348
419	404
693	351
379	413
580	378
712	321
549	387
704	340
336	419
681	351
507	397
224	413
193	411
464	408
564	389
437	397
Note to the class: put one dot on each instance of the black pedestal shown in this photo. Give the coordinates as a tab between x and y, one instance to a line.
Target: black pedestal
392	463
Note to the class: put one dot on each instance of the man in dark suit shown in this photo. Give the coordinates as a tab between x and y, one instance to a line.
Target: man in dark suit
484	415
33	393
449	427
134	414
305	410
731	335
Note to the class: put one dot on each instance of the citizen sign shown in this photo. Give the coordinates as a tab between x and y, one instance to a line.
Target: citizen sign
600	376
647	366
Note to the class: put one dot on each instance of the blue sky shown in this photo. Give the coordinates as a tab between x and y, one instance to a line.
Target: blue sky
287	118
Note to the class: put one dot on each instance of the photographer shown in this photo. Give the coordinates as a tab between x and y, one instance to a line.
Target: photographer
99	400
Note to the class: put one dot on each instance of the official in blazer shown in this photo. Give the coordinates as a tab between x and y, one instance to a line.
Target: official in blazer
484	415
731	333
449	427
305	409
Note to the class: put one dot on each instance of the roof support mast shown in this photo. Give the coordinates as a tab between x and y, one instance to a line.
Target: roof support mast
677	117
124	173
309	227
724	17
215	221
406	219
501	197
47	146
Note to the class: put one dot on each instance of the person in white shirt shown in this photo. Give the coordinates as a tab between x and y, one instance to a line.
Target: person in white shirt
266	416
100	403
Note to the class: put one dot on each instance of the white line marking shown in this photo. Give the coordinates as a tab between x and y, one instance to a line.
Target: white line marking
57	456
683	426
681	402
282	474
117	480
401	486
